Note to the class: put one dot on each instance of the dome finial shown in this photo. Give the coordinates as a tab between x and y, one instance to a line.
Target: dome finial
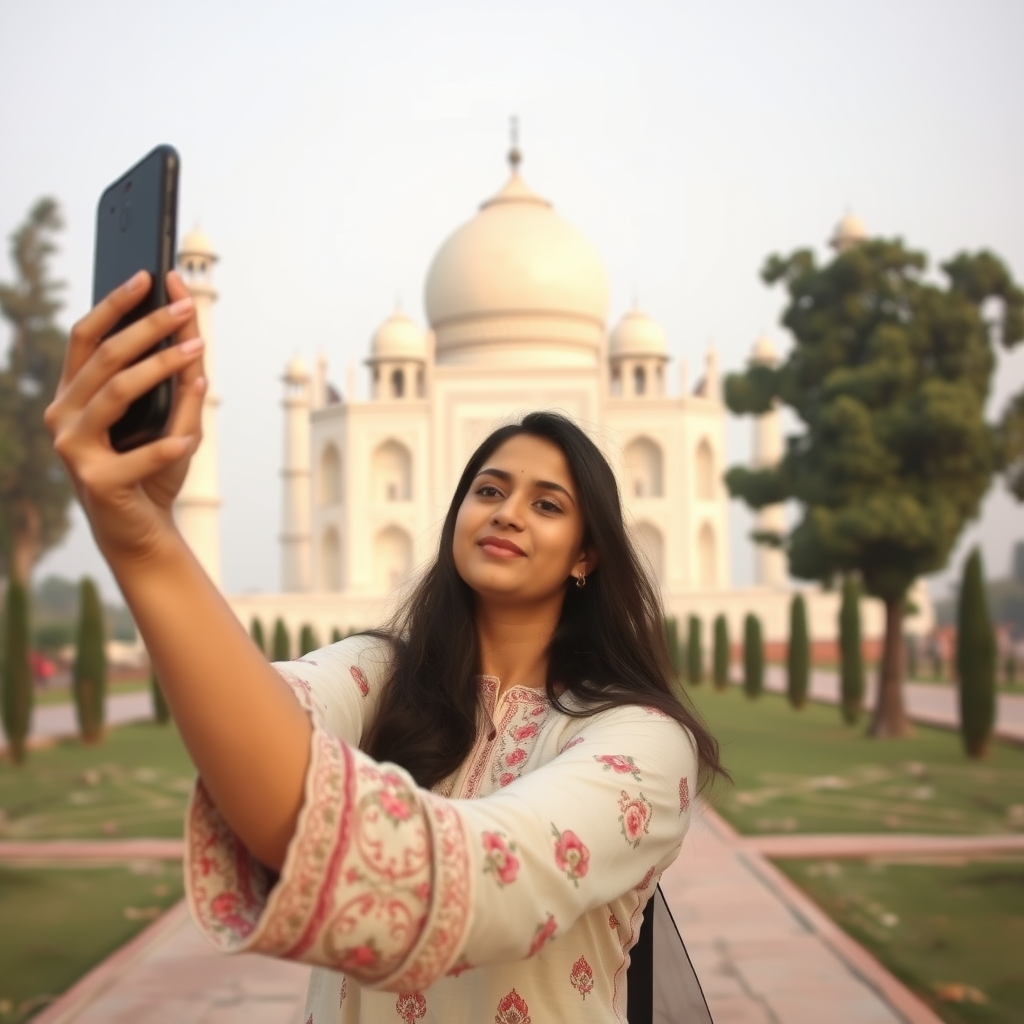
515	158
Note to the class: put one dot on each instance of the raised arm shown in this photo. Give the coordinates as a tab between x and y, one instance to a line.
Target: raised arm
245	732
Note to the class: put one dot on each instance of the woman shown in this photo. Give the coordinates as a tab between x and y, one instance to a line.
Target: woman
460	819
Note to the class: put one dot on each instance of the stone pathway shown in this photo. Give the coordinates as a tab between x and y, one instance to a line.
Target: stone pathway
52	721
764	952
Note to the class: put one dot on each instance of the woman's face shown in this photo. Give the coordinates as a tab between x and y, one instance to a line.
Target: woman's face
519	530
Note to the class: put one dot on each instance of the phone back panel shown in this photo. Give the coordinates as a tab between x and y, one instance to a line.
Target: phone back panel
136	229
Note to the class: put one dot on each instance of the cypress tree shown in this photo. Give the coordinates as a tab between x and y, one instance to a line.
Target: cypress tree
911	642
161	712
851	656
1011	667
753	656
17	672
798	656
256	632
721	653
975	660
282	649
90	674
694	653
307	640
336	635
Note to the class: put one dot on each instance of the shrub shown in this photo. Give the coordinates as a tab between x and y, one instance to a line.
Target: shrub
721	653
798	658
694	653
17	672
89	680
753	656
161	712
975	660
851	656
257	634
336	635
307	640
282	648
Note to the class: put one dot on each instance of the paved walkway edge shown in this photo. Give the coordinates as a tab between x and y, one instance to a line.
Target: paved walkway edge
857	959
91	851
66	1007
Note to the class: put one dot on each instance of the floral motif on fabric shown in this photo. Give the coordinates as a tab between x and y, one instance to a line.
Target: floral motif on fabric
545	932
574	742
571	855
500	859
613	921
684	794
411	1006
620	764
512	1009
396	798
581	977
516	758
635	818
525	732
645	882
516	735
506	779
658	713
344	992
229	910
302	690
309	1019
359	677
306	661
459	968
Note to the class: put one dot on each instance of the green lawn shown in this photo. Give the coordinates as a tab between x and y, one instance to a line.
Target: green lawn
59	923
62	694
805	771
135	784
954	932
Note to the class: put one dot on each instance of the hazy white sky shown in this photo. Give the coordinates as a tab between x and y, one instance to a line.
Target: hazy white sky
329	148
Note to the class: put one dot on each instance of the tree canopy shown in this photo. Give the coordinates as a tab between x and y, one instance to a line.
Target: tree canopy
34	490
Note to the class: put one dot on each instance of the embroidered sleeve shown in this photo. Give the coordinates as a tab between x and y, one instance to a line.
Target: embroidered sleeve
397	886
340	685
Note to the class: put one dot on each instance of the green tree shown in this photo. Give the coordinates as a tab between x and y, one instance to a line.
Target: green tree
721	653
89	679
753	656
17	673
34	490
889	374
282	645
256	632
694	652
851	654
798	656
336	635
161	712
307	640
975	660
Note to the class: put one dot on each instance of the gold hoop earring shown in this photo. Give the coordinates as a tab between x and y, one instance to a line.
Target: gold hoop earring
581	580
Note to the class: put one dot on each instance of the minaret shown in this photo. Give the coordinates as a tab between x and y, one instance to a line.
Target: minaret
296	517
197	509
770	563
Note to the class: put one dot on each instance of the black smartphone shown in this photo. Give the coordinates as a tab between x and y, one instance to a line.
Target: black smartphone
136	229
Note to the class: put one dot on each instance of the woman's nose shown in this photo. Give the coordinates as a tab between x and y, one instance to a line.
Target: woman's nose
507	514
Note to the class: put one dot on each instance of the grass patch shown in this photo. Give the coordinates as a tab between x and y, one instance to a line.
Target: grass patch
50	695
952	932
133	785
805	771
59	923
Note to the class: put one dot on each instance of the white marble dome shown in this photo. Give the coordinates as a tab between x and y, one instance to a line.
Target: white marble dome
636	334
196	243
296	370
398	337
764	351
517	283
849	231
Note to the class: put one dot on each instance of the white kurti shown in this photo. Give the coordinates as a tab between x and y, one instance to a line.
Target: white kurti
511	893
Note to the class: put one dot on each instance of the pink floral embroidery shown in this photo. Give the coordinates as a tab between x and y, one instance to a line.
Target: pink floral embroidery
309	1019
395	798
684	794
501	859
620	764
646	880
582	977
571	855
575	742
360	679
613	921
344	992
411	1006
225	908
635	817
544	932
517	757
358	958
458	969
540	709
658	713
306	661
512	1009
525	732
506	778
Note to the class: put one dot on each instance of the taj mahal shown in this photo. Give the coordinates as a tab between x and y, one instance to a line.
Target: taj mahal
517	305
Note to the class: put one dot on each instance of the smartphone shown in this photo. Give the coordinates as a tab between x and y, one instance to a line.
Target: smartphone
136	229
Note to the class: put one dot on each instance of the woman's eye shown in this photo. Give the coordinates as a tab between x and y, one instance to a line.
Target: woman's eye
487	491
547	505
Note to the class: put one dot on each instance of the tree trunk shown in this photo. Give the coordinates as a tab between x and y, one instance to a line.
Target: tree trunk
890	719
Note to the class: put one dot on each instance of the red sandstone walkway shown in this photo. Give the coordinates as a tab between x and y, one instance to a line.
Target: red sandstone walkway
764	952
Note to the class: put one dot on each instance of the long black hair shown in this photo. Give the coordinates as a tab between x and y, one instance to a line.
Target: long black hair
608	648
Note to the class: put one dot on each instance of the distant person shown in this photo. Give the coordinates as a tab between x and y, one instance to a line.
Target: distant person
459	818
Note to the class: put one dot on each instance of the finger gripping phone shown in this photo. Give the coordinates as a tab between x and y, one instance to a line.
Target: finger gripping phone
136	229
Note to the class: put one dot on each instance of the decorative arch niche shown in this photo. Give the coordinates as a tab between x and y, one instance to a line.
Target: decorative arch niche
704	467
330	560
707	556
392	557
391	473
644	469
652	547
330	476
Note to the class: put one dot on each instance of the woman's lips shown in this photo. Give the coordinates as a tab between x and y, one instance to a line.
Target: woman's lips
499	548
